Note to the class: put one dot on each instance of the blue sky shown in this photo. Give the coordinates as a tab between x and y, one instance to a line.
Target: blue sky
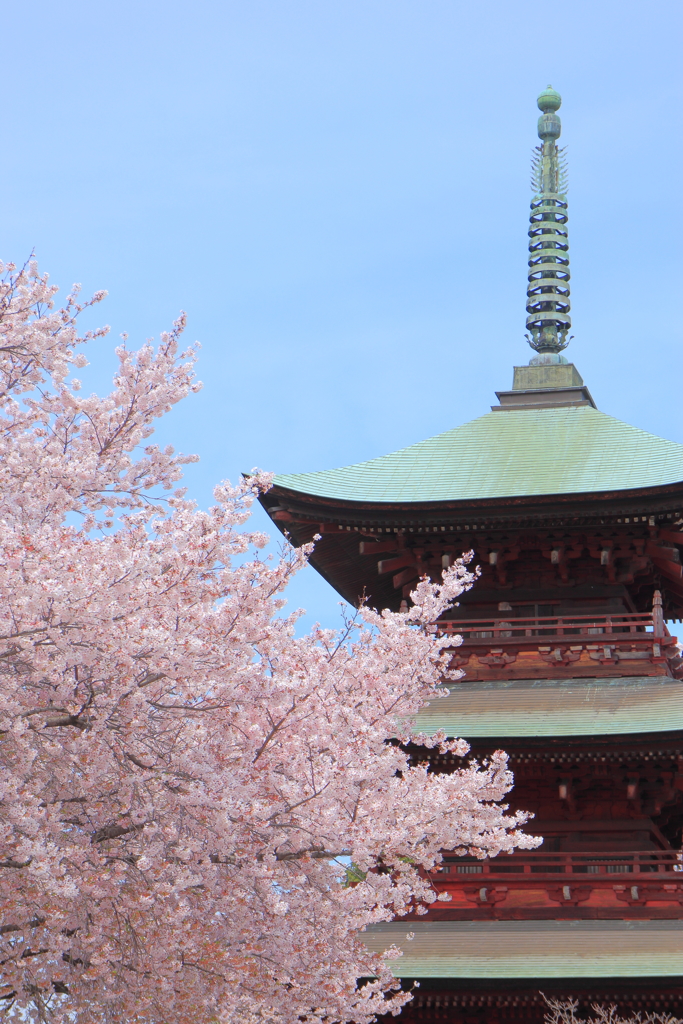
337	194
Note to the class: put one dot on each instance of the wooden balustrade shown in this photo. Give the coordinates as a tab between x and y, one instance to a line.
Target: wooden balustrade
628	643
539	866
636	626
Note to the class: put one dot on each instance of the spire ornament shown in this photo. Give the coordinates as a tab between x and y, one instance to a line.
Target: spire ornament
548	304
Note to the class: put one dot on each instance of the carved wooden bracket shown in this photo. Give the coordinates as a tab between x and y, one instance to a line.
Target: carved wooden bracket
560	656
570	895
498	659
486	894
637	895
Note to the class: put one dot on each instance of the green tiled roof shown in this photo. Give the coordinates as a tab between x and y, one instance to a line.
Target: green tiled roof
532	949
557	707
508	453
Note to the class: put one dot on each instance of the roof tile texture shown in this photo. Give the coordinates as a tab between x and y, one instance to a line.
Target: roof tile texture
511	453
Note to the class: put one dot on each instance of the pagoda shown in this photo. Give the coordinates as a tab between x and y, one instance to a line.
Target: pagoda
576	520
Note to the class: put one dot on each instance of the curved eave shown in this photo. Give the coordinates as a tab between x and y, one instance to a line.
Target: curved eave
340	522
532	949
321	508
557	707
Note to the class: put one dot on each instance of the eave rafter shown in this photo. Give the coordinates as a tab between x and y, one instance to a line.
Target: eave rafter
632	538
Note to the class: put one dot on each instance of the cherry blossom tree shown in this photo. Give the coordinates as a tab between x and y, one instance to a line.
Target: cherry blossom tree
566	1012
183	779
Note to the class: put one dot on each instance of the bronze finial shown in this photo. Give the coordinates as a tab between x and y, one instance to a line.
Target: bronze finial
548	304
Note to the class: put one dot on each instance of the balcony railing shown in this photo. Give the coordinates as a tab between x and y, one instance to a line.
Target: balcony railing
539	866
634	627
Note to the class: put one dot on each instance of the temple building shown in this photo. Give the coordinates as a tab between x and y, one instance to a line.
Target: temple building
576	520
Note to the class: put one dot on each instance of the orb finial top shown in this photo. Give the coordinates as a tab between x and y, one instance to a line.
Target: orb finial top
548	321
549	101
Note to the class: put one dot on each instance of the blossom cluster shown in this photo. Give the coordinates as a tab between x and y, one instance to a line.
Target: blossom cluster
184	780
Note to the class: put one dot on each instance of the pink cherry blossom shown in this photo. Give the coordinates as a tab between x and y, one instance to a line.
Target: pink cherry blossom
183	780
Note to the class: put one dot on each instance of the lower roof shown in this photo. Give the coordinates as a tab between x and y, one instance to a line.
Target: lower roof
565	450
557	707
532	949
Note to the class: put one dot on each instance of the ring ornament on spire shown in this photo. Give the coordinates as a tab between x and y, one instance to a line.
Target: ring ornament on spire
548	305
